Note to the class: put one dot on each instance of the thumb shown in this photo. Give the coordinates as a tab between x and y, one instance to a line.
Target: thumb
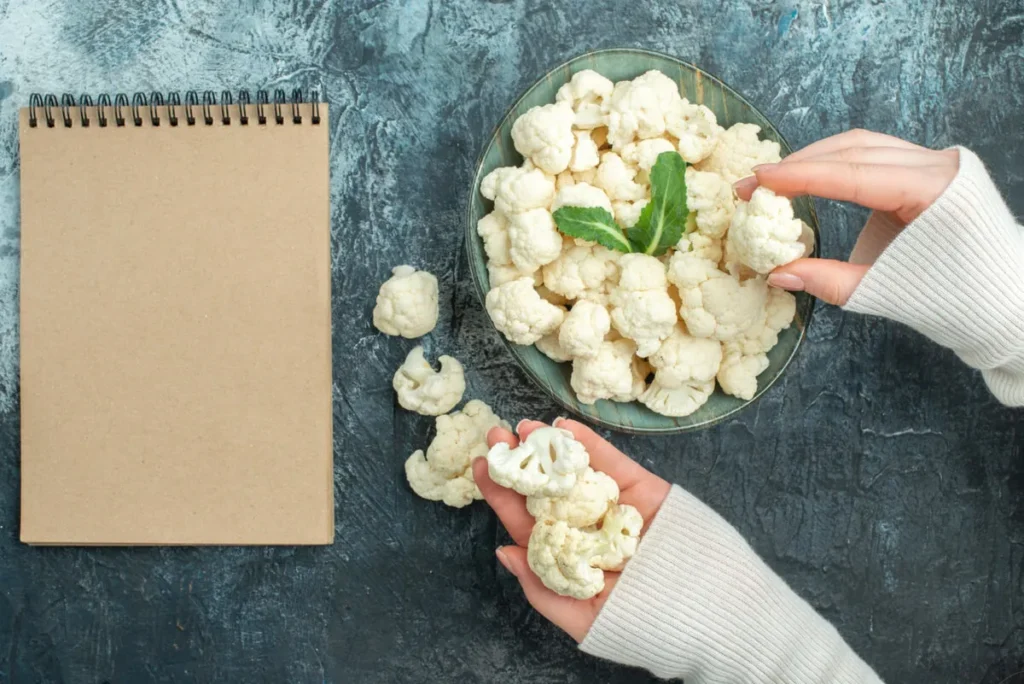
829	280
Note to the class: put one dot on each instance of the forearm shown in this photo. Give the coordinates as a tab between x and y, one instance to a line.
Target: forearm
697	603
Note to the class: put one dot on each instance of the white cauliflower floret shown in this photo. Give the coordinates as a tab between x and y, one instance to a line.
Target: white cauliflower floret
696	128
445	473
493	230
745	357
713	200
628	213
584	154
584	329
642	309
608	375
520	313
514	189
636	109
547	463
584	505
738	151
738	374
581	269
615	177
564	180
546	294
428	392
581	195
407	303
715	304
588	176
701	246
644	154
586	93
544	135
550	347
499	274
617	539
533	240
559	556
679	401
763	234
683	358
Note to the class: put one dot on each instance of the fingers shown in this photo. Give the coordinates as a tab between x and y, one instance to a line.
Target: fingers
848	139
508	505
826	279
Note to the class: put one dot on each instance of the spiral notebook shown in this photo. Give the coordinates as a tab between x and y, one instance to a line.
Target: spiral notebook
175	320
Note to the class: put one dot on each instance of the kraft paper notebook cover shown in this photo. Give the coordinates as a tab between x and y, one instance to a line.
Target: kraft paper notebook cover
175	321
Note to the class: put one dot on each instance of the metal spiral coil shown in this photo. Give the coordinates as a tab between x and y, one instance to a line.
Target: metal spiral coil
157	108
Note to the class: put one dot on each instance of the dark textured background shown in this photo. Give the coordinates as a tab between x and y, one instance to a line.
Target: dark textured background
879	478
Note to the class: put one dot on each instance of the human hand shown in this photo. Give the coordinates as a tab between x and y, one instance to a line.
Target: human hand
637	487
874	170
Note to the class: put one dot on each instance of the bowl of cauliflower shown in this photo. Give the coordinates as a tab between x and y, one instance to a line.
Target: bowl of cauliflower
612	255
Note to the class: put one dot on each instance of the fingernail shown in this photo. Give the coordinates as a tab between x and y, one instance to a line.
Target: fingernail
786	281
559	420
744	183
519	425
764	167
503	559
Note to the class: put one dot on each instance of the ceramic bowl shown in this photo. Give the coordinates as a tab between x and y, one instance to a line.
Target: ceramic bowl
553	378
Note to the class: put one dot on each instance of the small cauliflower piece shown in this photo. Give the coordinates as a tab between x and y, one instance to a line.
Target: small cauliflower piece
518	189
678	401
683	358
627	214
407	303
584	153
544	135
493	230
521	314
738	151
701	246
533	240
745	357
738	374
547	463
644	154
713	201
581	269
617	539
586	92
499	274
615	177
584	505
584	329
607	375
642	309
581	195
715	304
559	556
696	128
636	109
425	391
564	180
550	347
763	234
588	176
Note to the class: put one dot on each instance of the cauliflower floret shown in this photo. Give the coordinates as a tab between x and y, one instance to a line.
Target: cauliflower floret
584	505
683	359
533	240
493	230
546	294
745	357
586	93
515	189
763	234
615	177
544	135
738	374
628	213
696	128
581	269
642	309
584	154
445	472
581	195
588	176
701	246
715	304
607	375
713	200
644	154
547	463
558	555
617	539
636	109
550	347
738	151
584	329
407	303
499	274
428	392
564	180
679	401
520	313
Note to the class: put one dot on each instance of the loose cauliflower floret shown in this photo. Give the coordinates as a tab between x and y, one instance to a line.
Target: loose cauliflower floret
607	375
584	505
738	374
584	154
779	312
586	93
429	484
493	230
428	392
407	303
533	240
715	304
763	234
696	128
615	177
683	359
642	309
550	347
559	556
636	109
547	463
581	195
644	154
588	176
713	200
584	329
544	135
520	314
515	189
738	151
581	269
678	401
564	180
628	213
499	274
617	539
701	246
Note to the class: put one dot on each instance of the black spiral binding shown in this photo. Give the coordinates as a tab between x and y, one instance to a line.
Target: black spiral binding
152	104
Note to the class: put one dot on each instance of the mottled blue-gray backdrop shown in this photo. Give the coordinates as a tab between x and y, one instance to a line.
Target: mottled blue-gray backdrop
879	478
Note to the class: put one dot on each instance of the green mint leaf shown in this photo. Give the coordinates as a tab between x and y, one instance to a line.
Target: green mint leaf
593	224
663	221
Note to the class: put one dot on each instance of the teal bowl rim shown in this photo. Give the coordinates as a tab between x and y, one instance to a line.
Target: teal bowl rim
482	292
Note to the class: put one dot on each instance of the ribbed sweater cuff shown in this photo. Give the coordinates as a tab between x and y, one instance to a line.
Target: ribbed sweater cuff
696	602
956	274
